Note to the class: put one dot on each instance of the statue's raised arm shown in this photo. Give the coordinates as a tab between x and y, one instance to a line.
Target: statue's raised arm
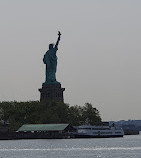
50	59
59	35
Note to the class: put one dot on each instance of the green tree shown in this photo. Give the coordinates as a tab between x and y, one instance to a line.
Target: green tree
75	115
35	112
91	115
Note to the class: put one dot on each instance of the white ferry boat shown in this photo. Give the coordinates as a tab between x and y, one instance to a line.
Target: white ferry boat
88	131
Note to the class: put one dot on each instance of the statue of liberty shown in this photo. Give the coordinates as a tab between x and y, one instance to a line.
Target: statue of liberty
50	59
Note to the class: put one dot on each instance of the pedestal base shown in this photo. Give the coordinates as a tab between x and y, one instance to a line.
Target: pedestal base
51	92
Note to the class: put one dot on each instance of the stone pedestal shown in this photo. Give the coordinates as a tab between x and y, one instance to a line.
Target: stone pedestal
51	92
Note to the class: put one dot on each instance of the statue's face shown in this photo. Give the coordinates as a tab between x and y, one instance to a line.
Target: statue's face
50	46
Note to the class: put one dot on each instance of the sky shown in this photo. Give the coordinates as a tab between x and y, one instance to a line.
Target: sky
99	55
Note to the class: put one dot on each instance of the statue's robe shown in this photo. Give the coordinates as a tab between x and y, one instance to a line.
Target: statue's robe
50	59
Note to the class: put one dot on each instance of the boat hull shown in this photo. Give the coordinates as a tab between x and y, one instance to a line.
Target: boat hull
97	136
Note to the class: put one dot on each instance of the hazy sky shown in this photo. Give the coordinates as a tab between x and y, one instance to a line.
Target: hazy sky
99	56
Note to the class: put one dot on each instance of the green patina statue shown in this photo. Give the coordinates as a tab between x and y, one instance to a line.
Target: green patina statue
50	59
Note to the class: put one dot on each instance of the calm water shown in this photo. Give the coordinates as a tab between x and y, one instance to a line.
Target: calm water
127	147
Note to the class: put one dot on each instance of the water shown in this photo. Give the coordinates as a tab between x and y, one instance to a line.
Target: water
127	147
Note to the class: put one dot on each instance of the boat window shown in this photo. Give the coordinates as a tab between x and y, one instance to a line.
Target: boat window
100	128
117	132
95	132
105	132
85	128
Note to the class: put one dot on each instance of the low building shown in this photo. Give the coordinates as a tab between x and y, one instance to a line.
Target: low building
45	131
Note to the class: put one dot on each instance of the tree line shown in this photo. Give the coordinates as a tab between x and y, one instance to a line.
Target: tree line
15	114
